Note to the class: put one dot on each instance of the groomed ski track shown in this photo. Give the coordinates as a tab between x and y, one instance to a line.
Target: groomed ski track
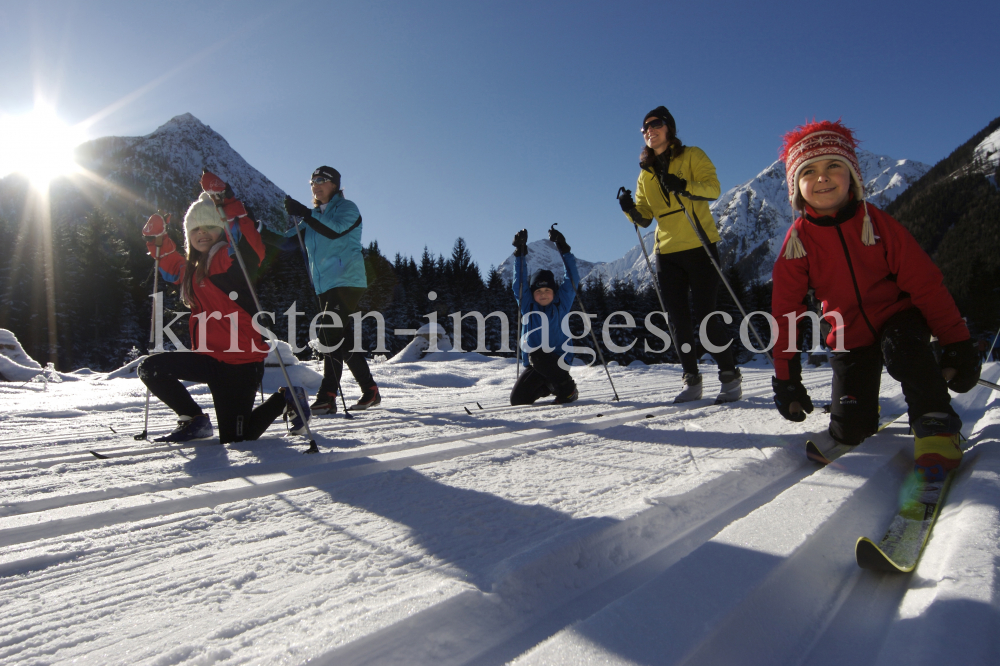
632	532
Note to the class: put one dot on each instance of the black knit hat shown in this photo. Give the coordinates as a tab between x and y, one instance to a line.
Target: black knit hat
328	172
544	279
664	115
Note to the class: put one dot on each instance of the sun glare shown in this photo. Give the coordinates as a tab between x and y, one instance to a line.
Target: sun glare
38	145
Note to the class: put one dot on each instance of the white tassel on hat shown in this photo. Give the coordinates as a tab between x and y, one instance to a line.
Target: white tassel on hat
867	231
794	248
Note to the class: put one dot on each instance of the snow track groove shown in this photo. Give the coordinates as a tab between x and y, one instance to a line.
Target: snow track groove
577	534
803	586
255	483
327	427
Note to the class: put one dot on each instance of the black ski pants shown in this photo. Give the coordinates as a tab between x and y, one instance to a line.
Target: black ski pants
904	346
343	301
541	378
233	388
689	272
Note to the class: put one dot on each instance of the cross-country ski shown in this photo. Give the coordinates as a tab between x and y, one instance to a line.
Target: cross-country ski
900	548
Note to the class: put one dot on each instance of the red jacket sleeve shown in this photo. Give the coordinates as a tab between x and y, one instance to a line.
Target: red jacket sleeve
917	275
172	267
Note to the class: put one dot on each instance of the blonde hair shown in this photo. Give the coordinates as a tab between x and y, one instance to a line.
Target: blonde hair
196	268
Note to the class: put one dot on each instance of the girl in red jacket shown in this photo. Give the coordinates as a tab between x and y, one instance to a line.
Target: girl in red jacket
228	352
883	296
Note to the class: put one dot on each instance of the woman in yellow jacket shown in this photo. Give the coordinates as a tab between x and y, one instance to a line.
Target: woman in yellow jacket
671	170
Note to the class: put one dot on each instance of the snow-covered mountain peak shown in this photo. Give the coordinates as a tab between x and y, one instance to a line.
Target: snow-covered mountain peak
178	122
162	169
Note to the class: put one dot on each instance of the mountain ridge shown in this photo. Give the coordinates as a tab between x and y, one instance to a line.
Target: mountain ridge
136	176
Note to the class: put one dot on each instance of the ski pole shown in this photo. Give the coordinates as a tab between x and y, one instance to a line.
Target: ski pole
995	387
319	304
994	345
253	292
517	371
569	276
704	244
517	356
152	325
656	282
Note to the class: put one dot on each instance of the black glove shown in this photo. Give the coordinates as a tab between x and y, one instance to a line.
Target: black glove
625	200
962	357
520	243
556	237
673	183
787	391
293	207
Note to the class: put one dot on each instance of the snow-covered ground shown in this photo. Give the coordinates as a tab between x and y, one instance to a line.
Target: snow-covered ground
435	530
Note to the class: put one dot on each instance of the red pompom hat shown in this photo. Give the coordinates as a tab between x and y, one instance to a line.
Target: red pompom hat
815	141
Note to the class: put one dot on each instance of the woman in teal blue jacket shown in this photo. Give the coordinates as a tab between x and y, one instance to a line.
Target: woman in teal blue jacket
332	236
544	375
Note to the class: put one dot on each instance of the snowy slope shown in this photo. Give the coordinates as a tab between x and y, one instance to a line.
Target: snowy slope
631	267
168	162
632	532
15	364
986	155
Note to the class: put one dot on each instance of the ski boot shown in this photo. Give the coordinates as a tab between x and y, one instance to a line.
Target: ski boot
567	396
189	428
692	388
326	403
732	386
936	445
369	398
297	426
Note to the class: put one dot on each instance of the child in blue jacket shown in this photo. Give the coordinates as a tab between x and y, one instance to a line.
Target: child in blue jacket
543	305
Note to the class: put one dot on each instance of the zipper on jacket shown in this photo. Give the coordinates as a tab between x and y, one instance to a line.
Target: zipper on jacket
854	281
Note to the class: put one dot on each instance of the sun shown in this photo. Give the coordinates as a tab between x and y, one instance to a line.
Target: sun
38	145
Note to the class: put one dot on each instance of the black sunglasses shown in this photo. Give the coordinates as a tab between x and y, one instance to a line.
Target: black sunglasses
319	180
655	123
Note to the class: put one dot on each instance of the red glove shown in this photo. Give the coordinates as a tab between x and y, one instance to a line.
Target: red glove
212	184
155	231
215	187
155	226
234	209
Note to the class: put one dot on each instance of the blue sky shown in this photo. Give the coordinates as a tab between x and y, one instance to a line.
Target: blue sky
476	119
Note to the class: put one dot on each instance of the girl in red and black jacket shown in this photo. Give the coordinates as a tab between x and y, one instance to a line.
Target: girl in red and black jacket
881	293
228	352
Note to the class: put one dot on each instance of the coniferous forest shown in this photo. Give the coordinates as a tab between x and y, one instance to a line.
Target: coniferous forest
954	213
101	280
